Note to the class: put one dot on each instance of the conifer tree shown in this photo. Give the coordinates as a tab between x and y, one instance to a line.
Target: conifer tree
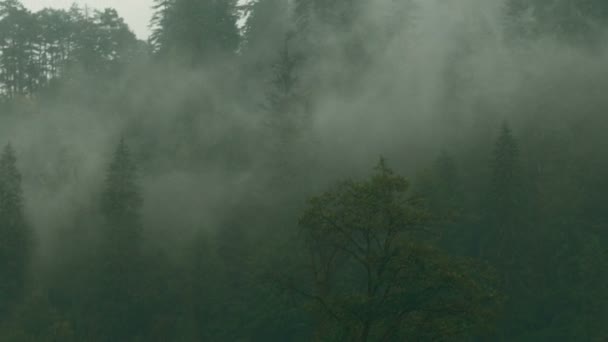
505	191
196	30
448	193
120	257
267	24
503	234
284	100
121	200
14	234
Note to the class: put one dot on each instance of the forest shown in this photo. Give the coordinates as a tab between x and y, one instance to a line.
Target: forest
305	170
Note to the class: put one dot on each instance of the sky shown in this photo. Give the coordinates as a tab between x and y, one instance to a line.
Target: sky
137	13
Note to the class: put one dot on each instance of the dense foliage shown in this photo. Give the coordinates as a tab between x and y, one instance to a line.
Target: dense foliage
214	183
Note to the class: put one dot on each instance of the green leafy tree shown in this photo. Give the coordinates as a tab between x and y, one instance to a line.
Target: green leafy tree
375	276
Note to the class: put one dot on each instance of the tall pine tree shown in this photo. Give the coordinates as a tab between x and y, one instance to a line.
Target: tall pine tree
505	198
14	234
119	298
121	200
195	31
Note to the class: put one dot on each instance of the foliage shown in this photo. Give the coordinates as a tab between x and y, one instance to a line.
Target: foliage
192	232
37	49
375	277
15	238
195	30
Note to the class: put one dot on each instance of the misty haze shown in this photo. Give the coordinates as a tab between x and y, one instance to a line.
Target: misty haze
305	170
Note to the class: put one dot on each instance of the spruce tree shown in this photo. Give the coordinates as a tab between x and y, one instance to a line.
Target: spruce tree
196	31
504	233
14	234
121	200
448	193
267	24
505	192
284	100
120	257
287	117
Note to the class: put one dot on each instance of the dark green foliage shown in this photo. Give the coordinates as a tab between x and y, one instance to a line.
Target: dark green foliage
230	130
121	200
375	277
37	49
286	113
17	49
120	282
15	237
196	31
506	198
268	23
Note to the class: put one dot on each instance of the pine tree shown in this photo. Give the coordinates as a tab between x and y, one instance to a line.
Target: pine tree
196	31
448	196
14	234
121	199
267	24
284	100
505	192
287	117
503	236
18	35
120	257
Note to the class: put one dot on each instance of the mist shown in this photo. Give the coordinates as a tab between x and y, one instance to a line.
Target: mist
229	129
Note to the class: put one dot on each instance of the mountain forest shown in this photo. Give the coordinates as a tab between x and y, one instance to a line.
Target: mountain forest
305	170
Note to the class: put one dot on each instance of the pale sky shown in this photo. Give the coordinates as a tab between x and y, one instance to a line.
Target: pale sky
137	13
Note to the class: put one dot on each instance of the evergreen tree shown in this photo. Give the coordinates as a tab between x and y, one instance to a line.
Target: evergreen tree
286	115
505	201
121	200
14	235
285	100
195	31
502	203
37	48
332	33
446	198
18	33
120	281
267	24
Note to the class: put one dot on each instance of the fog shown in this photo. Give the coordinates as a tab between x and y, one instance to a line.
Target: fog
403	80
